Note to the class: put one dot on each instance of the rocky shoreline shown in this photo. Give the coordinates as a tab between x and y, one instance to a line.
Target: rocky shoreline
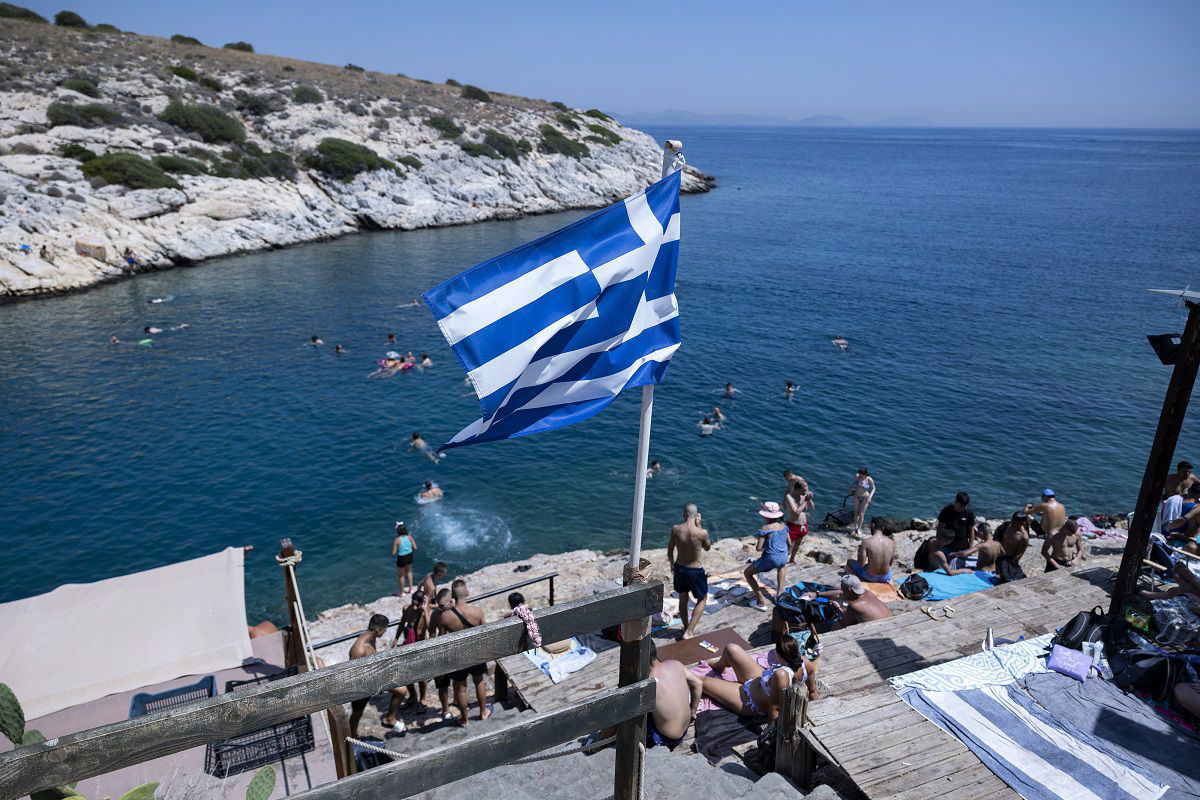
257	177
582	573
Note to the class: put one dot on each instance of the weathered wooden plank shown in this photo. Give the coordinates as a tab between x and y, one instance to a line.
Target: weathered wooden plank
635	666
250	708
790	748
431	769
933	772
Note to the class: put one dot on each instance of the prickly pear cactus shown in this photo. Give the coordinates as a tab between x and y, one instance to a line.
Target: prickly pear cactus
143	792
12	716
57	793
32	737
261	785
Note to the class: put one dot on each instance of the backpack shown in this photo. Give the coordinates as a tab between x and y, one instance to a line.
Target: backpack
1008	570
801	612
1149	672
1086	626
914	587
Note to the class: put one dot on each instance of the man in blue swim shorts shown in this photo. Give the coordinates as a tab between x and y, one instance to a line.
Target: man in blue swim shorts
875	555
684	550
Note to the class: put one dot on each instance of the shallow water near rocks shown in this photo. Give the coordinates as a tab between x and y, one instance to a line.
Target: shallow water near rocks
991	284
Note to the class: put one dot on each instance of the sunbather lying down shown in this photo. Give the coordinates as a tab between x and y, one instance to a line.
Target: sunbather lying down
759	690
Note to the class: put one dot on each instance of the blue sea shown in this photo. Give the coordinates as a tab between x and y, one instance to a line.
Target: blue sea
992	285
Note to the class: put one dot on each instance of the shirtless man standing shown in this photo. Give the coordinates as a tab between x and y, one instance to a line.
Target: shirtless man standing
413	627
428	584
860	604
687	543
1054	513
987	550
364	646
797	502
675	701
452	617
875	556
1064	549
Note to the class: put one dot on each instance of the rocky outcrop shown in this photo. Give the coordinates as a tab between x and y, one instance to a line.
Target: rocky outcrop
46	201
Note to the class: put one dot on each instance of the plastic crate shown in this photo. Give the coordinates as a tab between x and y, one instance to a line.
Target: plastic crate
265	746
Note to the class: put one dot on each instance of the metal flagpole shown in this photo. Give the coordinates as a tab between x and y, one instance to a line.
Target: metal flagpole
672	148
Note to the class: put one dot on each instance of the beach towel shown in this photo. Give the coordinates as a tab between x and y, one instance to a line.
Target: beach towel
1039	757
884	591
944	587
718	731
557	668
1124	722
1000	666
764	660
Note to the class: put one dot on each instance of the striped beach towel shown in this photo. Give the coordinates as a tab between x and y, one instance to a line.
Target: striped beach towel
1037	756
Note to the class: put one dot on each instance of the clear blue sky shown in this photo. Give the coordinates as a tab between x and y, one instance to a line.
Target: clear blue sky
956	62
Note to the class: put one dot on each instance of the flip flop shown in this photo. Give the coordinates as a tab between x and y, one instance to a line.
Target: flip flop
948	611
928	612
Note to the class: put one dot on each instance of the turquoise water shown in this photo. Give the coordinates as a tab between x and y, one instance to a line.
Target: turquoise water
991	284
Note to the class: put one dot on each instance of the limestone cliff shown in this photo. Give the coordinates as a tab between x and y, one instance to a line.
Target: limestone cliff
238	159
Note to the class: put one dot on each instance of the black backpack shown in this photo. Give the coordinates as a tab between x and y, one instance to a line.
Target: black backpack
1149	672
914	587
1086	626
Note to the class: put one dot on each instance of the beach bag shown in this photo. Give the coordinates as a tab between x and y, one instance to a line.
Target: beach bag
801	612
1086	626
1008	570
1148	672
914	588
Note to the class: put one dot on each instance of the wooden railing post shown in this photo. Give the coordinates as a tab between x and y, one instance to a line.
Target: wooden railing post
635	667
339	729
793	757
294	655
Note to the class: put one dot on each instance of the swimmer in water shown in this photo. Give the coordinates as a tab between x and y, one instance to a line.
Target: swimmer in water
426	361
113	340
789	391
315	341
707	426
654	469
729	390
431	491
149	329
338	349
410	358
717	414
391	338
183	326
411	304
422	447
840	343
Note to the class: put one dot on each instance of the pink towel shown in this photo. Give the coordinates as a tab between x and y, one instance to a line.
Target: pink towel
764	660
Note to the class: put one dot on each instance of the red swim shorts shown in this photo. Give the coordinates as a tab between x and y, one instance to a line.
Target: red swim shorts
797	532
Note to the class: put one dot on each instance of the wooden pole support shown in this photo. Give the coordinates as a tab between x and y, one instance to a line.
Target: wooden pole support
339	729
792	755
1158	464
294	655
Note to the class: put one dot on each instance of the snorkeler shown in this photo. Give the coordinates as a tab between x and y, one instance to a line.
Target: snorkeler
840	343
422	447
314	341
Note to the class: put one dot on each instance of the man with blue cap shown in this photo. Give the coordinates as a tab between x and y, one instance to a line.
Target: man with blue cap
1054	514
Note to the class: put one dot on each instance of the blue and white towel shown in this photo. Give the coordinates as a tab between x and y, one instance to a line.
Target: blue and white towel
557	668
1037	756
944	587
1000	666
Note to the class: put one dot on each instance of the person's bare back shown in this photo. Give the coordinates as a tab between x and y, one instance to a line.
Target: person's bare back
363	646
674	700
987	554
878	551
689	542
863	608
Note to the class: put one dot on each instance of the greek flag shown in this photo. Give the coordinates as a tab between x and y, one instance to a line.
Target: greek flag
551	332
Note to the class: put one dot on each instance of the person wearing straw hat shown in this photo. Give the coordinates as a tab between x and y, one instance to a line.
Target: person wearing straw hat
773	544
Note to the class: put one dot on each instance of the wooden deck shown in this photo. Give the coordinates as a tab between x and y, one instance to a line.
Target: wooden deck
887	749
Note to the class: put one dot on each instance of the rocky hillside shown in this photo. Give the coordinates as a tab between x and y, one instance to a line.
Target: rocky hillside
178	152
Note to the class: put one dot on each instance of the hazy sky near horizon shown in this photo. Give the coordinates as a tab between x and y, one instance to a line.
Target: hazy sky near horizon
1020	62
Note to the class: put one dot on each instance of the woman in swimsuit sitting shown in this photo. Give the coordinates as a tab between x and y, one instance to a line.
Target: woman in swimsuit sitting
759	690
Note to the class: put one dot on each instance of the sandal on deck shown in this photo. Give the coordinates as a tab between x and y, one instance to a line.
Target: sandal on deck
928	612
948	611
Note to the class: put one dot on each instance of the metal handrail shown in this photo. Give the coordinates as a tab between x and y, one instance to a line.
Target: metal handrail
391	623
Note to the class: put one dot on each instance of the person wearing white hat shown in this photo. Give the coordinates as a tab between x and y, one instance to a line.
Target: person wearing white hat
773	543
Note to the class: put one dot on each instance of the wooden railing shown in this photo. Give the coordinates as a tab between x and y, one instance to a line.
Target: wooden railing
250	708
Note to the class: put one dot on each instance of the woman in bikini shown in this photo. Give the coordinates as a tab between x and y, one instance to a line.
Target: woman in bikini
759	690
863	489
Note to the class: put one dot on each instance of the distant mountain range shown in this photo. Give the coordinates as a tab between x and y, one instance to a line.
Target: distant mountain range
674	116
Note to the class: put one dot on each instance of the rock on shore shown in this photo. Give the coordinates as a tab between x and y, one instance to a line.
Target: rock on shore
434	177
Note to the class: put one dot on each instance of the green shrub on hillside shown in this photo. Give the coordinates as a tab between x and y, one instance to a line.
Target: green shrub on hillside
307	94
187	73
445	126
69	19
249	161
179	165
288	68
340	159
553	141
85	115
598	114
75	151
566	121
560	106
257	105
475	93
354	68
251	81
452	82
195	151
81	85
411	161
245	47
179	38
477	149
209	82
128	170
209	122
506	146
603	134
106	28
9	11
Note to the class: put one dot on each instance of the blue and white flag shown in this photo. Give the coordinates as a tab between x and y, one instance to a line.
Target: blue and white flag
551	332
